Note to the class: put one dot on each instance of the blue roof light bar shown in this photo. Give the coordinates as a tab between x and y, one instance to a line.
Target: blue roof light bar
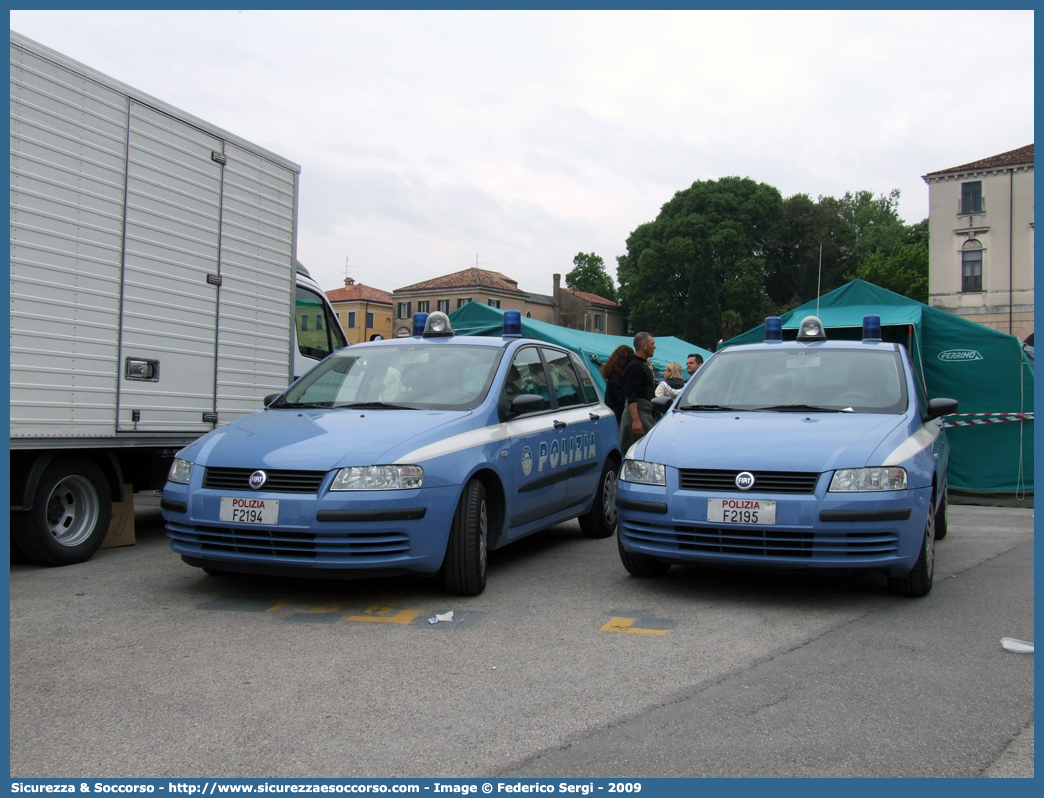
419	320
512	323
773	329
872	328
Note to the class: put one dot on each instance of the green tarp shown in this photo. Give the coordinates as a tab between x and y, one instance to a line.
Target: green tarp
986	371
478	319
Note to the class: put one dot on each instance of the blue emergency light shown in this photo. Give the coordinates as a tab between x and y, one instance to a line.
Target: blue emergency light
512	323
871	328
773	329
419	320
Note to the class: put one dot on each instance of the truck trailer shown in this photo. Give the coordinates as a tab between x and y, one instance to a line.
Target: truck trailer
155	294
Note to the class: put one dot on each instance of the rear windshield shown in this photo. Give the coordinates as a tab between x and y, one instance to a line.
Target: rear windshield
842	380
425	376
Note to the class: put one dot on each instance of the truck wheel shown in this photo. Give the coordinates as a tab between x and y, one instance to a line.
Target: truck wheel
941	527
918	582
70	517
464	568
601	521
640	564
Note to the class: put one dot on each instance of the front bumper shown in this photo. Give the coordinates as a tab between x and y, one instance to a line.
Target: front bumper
359	533
820	530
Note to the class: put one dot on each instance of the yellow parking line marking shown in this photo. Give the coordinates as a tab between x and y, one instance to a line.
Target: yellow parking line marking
279	605
402	616
625	625
328	608
379	609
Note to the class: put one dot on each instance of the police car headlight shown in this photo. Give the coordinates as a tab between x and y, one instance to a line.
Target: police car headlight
380	477
866	479
643	472
180	471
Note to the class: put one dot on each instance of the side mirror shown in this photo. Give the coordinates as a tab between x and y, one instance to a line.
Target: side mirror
941	407
661	404
271	398
526	403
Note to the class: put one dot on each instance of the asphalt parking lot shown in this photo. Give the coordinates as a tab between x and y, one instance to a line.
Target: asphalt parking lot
134	664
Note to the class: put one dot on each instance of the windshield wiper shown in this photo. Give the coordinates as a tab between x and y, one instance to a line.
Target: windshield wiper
281	403
387	405
707	407
801	409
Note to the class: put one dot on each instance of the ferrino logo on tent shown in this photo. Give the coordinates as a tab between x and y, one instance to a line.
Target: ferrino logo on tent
959	355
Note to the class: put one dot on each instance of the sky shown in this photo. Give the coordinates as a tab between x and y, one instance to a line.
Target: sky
431	141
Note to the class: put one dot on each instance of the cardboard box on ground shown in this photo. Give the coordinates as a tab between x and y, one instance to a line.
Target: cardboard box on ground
121	528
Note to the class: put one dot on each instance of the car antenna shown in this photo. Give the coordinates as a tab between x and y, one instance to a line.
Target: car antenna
819	284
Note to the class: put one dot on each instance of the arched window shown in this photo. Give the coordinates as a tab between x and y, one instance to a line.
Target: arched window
971	266
529	314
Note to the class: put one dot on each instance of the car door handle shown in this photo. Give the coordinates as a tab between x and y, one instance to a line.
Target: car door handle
559	424
594	416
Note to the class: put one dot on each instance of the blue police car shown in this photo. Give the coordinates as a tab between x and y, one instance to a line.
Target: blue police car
799	455
414	455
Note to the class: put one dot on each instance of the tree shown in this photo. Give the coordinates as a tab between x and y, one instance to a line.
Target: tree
706	249
793	264
589	275
731	324
904	269
764	255
874	220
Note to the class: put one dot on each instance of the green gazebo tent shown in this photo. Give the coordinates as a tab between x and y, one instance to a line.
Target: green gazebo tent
986	371
475	318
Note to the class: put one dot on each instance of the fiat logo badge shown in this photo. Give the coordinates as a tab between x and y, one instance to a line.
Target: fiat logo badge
257	479
744	480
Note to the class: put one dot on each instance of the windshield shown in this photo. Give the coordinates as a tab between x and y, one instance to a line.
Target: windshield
834	380
425	376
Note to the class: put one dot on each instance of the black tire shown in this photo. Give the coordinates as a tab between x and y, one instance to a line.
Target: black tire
464	568
941	519
72	508
918	582
640	564
601	521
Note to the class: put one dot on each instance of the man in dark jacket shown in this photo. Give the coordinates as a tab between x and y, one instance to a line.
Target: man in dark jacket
640	389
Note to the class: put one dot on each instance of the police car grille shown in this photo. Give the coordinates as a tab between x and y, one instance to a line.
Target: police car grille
287	543
784	543
764	481
276	482
738	540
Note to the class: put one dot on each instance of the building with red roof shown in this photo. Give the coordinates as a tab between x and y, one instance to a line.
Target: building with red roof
365	313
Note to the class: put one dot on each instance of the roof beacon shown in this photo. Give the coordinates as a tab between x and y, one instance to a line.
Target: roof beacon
811	329
872	328
512	323
437	325
773	329
418	324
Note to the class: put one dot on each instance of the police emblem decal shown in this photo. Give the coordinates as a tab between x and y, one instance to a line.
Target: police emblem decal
257	479
527	461
744	480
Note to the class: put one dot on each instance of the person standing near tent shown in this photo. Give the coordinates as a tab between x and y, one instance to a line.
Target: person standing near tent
693	363
672	380
612	372
640	390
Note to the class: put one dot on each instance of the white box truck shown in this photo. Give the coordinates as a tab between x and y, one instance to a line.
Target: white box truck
155	294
